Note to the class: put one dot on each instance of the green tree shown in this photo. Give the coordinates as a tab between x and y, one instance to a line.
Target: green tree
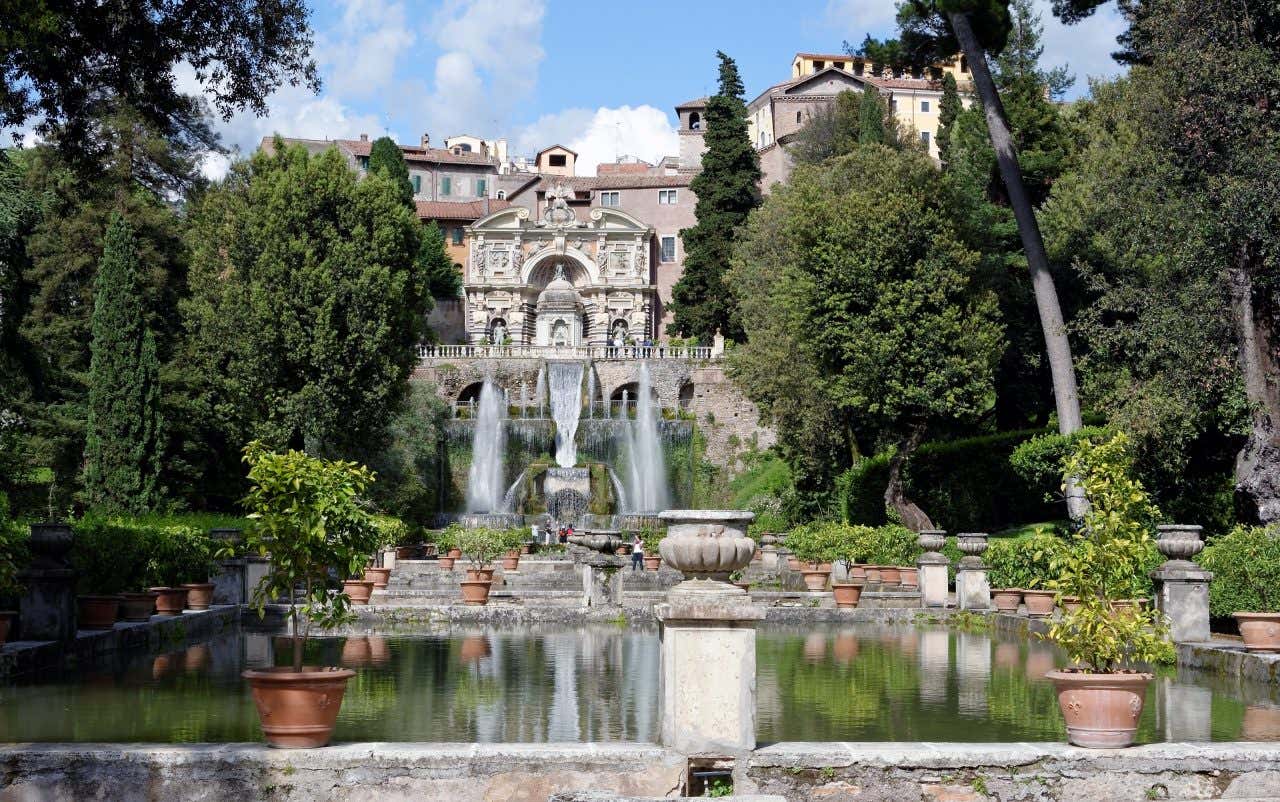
123	442
306	303
442	276
871	113
935	30
60	63
831	131
880	296
386	157
727	189
948	110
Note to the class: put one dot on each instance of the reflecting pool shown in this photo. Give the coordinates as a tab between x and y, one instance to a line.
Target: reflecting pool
865	682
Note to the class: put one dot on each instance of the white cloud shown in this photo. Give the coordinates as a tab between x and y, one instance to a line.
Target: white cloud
1085	47
856	18
363	58
603	135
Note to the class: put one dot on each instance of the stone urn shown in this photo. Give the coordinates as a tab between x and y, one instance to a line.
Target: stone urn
707	546
973	544
931	541
50	545
1179	543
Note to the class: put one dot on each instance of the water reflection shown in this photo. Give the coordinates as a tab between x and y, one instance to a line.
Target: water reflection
857	682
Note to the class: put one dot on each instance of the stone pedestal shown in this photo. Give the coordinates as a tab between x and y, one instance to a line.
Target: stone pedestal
973	589
1181	586
708	672
769	559
933	568
229	582
255	569
47	607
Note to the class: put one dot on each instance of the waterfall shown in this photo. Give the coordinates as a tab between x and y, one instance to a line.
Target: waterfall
488	451
591	389
540	391
647	484
619	492
564	386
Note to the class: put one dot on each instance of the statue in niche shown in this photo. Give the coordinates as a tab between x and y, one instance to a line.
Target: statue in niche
499	334
560	333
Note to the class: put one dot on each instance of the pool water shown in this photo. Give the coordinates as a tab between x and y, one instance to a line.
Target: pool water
867	682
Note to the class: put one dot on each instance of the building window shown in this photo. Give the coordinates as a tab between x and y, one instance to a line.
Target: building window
364	162
609	199
818	65
797	118
666	197
695	121
964	64
502	194
839	65
458	234
557	160
668	251
482	187
924	138
446	185
893	104
464	147
924	106
858	68
417	185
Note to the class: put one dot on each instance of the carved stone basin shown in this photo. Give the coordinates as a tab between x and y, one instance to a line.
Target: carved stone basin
707	545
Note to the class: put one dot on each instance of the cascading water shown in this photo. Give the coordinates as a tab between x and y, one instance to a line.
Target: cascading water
647	489
564	386
485	488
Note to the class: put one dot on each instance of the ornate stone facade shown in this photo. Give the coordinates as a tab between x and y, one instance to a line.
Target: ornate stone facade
558	279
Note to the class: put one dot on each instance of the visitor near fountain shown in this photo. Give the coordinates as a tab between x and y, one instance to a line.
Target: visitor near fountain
637	553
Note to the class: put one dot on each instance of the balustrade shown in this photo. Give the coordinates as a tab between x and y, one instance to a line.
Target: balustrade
592	352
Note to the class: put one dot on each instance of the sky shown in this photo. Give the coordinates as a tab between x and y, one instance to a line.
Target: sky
599	77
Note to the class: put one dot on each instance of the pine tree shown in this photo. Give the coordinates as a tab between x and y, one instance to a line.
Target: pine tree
728	188
948	110
871	130
122	439
385	157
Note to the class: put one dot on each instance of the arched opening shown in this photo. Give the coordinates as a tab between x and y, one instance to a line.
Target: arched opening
468	400
695	121
618	332
622	401
686	395
502	194
498	332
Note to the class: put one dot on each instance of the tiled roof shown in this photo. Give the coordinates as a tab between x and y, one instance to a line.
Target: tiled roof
696	103
553	147
617	181
903	83
459	210
623	168
413	153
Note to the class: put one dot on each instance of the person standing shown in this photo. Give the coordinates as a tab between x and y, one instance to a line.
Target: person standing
637	553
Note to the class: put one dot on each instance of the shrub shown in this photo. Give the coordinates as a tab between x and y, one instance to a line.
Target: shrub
1039	460
481	545
447	538
391	531
964	485
13	549
651	537
114	554
892	544
1024	562
1246	571
810	542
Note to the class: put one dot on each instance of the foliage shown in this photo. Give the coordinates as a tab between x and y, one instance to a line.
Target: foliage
60	63
442	276
949	108
651	537
481	545
702	302
386	158
1104	563
391	531
968	481
117	553
1246	571
307	513
13	549
891	544
811	542
123	442
303	346
409	465
762	488
447	538
832	130
1023	562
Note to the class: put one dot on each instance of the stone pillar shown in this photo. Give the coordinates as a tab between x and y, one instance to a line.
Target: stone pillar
47	607
255	569
229	582
769	554
933	568
973	590
1181	586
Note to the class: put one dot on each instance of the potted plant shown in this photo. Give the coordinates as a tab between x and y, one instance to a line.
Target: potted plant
512	539
1246	583
651	537
480	545
811	545
849	545
446	541
307	514
106	554
738	578
1102	693
179	561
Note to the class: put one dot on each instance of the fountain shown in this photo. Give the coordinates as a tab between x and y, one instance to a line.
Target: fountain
564	383
485	485
647	490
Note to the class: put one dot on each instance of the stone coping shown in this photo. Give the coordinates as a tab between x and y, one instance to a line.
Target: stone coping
1229	657
697	516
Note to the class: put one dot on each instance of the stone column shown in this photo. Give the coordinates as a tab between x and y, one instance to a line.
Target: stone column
229	585
707	631
47	607
769	554
973	590
1181	586
933	568
255	569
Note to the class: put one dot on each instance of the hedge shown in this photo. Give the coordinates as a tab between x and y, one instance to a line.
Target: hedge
1246	565
963	485
115	554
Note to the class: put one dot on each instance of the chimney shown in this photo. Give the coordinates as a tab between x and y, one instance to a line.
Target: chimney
364	137
426	141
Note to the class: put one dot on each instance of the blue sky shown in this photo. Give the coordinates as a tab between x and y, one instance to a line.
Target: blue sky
600	77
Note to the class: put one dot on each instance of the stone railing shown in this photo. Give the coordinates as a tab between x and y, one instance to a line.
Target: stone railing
592	352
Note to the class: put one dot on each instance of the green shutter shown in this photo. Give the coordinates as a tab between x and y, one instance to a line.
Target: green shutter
481	186
446	185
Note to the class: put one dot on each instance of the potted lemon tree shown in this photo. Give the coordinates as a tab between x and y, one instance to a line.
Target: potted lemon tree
1246	583
481	546
1102	692
307	514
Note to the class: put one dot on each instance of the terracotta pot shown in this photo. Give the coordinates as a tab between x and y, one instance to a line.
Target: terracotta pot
355	653
1261	723
1101	710
858	573
652	563
138	606
890	575
170	601
511	562
910	578
6	623
298	709
446	563
794	564
1260	631
199	595
474	647
1039	602
815	579
845	648
1120	605
486	574
622	550
1006	600
405	552
475	591
846	593
873	574
1070	603
196	658
378	576
360	590
524	549
97	612
455	553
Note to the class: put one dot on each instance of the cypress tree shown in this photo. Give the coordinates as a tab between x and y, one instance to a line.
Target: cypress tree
123	434
948	110
728	188
871	130
385	157
443	279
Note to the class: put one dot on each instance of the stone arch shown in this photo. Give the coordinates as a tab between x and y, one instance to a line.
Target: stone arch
469	393
695	121
540	268
686	395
